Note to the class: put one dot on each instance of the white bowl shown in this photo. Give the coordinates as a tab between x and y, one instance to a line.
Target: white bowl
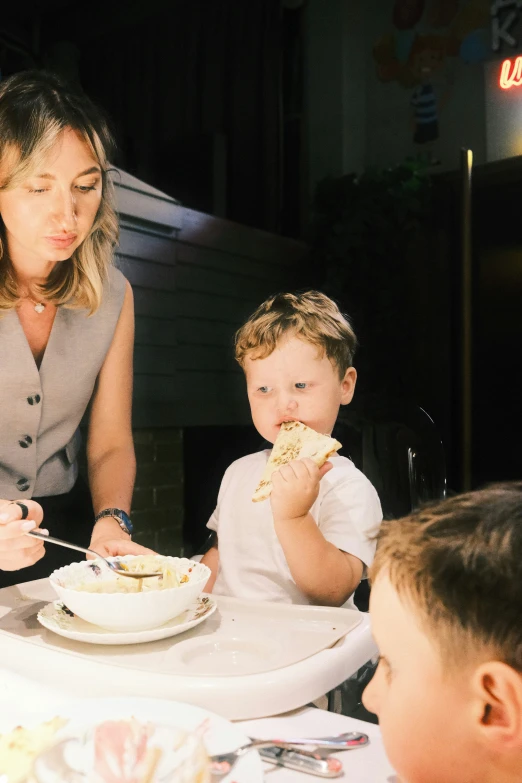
127	611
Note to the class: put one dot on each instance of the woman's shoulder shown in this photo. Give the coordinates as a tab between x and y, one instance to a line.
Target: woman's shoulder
116	279
114	288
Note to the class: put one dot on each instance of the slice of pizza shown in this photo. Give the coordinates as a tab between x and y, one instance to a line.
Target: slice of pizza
295	441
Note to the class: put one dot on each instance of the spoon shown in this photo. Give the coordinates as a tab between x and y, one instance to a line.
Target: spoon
222	763
120	569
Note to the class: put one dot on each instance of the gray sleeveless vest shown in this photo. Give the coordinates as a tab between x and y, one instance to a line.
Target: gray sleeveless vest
40	410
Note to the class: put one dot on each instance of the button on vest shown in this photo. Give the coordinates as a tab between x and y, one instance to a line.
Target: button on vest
41	410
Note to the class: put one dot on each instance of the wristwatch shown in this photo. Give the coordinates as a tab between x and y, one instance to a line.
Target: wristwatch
120	516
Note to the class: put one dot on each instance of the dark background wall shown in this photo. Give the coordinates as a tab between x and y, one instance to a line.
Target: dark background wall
195	279
239	109
194	91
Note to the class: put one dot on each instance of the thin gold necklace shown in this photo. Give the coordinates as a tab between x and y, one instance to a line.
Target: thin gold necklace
38	306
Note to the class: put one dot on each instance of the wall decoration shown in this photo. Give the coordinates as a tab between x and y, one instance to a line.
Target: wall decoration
421	52
503	108
407	13
505	15
442	13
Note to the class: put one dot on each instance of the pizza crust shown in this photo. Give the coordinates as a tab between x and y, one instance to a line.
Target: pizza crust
295	441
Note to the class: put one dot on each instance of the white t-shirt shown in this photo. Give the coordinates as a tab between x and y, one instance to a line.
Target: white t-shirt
252	564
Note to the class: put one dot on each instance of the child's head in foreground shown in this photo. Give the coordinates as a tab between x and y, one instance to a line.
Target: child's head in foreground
446	609
297	351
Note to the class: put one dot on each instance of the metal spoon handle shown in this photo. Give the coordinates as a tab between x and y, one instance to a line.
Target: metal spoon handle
228	760
342	742
67	544
120	570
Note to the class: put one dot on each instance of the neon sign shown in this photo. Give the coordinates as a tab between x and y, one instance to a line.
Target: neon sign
511	74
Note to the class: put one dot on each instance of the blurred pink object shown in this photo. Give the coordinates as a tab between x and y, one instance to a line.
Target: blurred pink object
120	751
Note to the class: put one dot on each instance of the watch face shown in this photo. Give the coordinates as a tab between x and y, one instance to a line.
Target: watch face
126	520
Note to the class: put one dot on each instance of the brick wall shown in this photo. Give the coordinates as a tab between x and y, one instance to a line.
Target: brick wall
157	505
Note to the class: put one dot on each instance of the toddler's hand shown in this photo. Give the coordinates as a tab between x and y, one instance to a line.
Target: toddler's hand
295	487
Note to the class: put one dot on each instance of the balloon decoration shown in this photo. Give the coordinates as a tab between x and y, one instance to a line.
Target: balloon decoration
442	12
386	60
465	36
474	15
475	47
419	54
403	42
407	13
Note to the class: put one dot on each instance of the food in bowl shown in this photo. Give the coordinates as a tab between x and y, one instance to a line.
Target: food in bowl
20	747
93	592
141	564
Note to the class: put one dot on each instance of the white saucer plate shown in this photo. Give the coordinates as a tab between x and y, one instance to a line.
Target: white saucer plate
219	735
57	618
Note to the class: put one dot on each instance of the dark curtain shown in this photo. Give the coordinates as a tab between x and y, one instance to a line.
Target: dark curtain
178	78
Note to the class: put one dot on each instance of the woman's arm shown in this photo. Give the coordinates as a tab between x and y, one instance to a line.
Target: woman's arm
110	449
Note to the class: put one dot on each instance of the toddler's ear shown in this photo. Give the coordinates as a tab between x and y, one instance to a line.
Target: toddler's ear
348	385
326	467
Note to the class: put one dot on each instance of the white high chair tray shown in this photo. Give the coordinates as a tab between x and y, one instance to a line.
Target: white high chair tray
246	660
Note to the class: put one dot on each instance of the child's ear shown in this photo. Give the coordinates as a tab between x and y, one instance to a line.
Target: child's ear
348	385
498	689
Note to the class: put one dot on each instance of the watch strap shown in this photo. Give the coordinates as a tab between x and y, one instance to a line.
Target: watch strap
120	516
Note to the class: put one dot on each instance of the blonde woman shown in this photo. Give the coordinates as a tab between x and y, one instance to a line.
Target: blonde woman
66	332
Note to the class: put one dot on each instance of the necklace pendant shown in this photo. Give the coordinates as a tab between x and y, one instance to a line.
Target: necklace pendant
39	307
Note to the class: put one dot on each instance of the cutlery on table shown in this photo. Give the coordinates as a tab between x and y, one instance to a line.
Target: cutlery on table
303	761
284	752
346	741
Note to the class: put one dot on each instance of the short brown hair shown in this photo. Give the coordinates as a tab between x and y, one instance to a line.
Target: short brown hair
460	565
312	316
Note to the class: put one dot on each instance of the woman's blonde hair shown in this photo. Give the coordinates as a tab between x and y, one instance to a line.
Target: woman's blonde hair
35	108
312	316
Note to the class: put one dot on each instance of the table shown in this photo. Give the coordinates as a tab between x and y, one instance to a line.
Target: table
27	650
36	678
364	765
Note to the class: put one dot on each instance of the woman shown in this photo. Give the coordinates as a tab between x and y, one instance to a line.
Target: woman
66	332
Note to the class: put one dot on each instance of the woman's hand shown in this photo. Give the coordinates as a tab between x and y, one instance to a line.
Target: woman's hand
16	549
117	547
108	540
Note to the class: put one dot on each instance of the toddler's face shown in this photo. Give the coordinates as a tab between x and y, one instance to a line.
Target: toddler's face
425	713
296	383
